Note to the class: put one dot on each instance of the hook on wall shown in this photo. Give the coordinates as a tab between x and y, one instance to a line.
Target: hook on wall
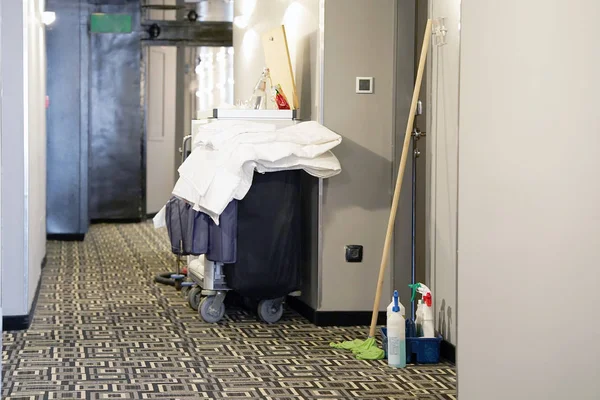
439	31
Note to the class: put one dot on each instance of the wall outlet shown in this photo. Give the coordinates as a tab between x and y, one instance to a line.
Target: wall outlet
354	253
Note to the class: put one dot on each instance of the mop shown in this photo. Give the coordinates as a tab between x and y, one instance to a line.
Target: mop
367	349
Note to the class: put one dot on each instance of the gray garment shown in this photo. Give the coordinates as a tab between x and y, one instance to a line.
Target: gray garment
222	242
194	233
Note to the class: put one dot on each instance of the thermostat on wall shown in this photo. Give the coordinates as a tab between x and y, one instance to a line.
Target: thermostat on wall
364	84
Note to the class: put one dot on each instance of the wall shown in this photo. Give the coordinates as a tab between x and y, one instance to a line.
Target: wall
23	154
359	41
404	82
67	119
13	210
35	132
528	216
442	167
116	140
301	19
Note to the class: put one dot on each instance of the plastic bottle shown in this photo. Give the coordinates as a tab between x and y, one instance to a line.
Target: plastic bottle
396	336
419	319
259	100
391	305
427	313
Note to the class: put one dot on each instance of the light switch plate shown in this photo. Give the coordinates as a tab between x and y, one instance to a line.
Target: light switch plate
364	84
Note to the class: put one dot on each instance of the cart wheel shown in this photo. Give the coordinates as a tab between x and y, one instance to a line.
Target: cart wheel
269	312
208	313
185	291
194	296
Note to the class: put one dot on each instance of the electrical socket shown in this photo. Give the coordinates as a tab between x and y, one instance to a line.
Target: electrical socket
354	253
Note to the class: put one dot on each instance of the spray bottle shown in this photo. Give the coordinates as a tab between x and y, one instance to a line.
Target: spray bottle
396	336
391	306
424	312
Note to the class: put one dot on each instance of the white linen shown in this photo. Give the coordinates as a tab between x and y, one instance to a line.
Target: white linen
226	154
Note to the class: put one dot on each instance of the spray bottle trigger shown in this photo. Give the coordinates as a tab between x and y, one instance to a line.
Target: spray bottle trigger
414	287
427	299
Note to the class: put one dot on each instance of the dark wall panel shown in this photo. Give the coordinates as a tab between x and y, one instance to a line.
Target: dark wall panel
67	120
116	130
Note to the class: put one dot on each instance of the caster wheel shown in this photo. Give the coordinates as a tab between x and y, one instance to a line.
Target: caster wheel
192	16
194	296
208	312
269	312
184	291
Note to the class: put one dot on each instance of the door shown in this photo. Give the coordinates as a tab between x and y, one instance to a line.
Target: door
160	125
161	83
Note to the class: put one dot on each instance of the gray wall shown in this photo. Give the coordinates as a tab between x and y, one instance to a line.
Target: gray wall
404	85
359	41
442	167
117	179
529	196
68	128
13	163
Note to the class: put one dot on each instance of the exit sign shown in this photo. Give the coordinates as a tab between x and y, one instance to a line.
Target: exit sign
110	23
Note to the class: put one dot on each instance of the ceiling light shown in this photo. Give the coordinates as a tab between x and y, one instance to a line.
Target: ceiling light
48	17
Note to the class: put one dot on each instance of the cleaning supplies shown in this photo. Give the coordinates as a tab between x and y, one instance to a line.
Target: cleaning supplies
419	319
424	314
396	336
259	100
389	308
427	313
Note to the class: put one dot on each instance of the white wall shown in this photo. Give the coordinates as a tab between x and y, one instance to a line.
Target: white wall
442	167
23	153
529	201
36	133
301	20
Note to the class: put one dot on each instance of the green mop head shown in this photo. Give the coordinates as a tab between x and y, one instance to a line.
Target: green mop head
362	349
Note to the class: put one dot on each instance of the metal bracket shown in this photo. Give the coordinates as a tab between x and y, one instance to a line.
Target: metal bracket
187	33
417	134
419	110
183	148
216	304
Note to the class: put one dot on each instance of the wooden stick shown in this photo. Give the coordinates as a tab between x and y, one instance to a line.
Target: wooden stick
398	188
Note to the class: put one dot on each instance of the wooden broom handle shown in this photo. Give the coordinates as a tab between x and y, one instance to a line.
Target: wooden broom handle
398	188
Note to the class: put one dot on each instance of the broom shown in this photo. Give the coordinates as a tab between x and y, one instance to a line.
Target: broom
367	349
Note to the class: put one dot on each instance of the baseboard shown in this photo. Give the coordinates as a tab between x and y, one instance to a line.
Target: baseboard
66	237
151	215
301	308
117	221
448	351
44	261
22	322
334	318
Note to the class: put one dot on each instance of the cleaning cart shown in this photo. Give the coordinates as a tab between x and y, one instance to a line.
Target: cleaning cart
268	259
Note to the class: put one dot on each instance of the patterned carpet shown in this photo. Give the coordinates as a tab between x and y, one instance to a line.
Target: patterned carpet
104	330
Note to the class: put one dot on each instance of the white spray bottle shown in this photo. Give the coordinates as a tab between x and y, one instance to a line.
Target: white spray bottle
425	326
391	306
396	336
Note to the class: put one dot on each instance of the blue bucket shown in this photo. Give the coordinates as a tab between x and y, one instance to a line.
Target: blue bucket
419	350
